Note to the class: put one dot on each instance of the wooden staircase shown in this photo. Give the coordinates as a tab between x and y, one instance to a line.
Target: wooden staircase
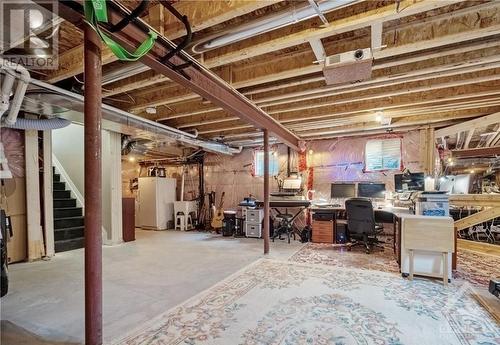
68	218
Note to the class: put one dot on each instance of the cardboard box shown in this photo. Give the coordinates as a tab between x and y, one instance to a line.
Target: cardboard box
15	189
15	207
17	244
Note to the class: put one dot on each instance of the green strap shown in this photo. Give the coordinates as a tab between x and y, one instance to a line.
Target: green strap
95	11
100	11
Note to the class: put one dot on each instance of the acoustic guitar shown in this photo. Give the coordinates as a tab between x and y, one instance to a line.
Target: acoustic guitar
218	214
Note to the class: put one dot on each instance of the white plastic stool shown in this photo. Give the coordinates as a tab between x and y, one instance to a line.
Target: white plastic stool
189	222
180	222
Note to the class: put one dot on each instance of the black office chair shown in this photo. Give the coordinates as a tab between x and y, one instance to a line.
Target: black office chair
361	224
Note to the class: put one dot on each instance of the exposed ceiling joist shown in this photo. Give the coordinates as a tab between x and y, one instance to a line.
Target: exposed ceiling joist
493	140
309	94
470	134
477	152
200	80
439	42
372	107
160	96
202	14
358	21
466	126
341	26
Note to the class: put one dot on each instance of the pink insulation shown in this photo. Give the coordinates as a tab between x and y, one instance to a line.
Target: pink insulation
343	160
332	161
13	143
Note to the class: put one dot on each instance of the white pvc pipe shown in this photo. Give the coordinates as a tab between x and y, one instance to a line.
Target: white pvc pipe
182	184
267	24
22	85
7	85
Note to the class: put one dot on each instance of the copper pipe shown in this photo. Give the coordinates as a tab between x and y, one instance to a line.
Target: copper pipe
266	192
93	187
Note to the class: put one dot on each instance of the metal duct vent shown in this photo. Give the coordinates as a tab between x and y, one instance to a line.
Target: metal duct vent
45	99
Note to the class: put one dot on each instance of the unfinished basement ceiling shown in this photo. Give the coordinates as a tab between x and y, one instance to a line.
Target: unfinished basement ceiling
438	65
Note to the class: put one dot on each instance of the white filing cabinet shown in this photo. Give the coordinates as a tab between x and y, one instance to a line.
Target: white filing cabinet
253	230
254	216
253	222
156	202
433	234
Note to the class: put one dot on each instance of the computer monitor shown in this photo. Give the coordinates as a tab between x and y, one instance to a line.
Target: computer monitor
343	190
371	190
409	182
455	184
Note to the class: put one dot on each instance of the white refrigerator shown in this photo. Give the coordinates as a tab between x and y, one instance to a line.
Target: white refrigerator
156	202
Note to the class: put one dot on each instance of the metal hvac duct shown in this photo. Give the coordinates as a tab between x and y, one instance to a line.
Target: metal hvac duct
236	34
39	124
266	24
46	99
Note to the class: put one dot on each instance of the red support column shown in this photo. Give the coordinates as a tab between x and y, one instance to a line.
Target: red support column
93	199
266	192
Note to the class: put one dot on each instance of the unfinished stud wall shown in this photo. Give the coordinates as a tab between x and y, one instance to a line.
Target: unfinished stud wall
332	161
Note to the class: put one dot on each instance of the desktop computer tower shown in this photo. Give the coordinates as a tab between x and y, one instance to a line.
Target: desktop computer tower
341	233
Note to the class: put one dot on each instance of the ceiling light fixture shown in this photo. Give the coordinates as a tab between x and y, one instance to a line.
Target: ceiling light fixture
151	110
36	19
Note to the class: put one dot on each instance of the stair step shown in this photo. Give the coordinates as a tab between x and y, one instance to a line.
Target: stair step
64	212
69	222
62	194
62	203
56	177
59	185
71	244
68	233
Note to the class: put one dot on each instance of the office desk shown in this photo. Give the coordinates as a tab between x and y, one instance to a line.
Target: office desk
384	215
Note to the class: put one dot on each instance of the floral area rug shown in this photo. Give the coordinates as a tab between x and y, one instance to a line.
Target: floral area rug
276	302
477	268
473	267
337	255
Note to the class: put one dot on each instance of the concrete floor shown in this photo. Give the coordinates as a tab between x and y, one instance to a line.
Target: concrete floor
141	280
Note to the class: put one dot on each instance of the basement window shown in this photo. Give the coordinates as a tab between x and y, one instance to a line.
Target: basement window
259	163
383	155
